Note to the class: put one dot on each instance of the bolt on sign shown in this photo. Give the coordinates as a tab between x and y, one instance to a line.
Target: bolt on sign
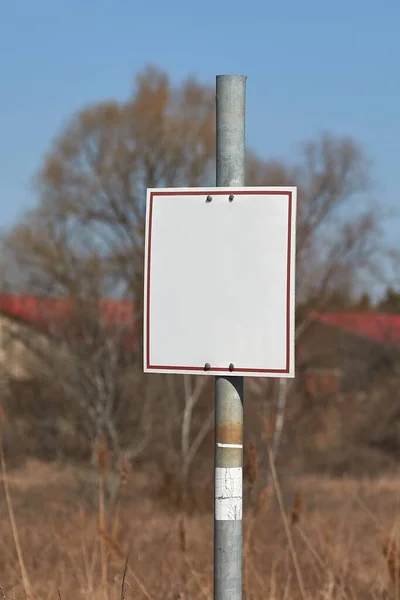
219	281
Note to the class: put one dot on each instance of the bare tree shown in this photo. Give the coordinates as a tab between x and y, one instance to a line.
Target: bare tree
338	226
85	238
339	237
85	241
189	446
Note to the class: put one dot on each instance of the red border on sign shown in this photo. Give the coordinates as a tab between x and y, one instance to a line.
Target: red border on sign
212	369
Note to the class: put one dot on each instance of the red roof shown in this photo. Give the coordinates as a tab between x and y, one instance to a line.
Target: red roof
380	327
41	311
44	311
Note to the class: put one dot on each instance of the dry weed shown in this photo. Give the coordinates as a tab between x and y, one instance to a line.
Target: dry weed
330	553
296	511
252	464
11	514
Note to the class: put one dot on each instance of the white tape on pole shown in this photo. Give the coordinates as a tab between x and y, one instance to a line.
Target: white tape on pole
228	493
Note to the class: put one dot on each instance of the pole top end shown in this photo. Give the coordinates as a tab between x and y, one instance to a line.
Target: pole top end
231	76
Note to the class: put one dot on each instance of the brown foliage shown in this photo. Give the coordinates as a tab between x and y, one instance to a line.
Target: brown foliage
252	463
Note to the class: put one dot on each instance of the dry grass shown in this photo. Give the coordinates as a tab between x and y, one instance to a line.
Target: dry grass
308	538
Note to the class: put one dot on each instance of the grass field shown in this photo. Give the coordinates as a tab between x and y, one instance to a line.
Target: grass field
333	539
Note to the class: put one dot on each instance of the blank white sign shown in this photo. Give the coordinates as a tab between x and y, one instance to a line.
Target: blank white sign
219	281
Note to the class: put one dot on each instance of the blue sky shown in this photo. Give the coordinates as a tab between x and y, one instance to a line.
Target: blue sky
311	66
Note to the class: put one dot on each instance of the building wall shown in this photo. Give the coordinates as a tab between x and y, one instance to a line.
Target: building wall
19	346
327	351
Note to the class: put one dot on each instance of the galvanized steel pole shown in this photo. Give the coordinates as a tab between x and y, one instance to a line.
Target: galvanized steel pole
230	103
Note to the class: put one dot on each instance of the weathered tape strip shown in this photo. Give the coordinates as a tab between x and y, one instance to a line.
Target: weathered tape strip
228	493
229	433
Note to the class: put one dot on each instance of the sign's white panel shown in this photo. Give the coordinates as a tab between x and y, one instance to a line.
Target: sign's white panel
219	281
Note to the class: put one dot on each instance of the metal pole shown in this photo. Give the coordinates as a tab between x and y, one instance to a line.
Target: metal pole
230	101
